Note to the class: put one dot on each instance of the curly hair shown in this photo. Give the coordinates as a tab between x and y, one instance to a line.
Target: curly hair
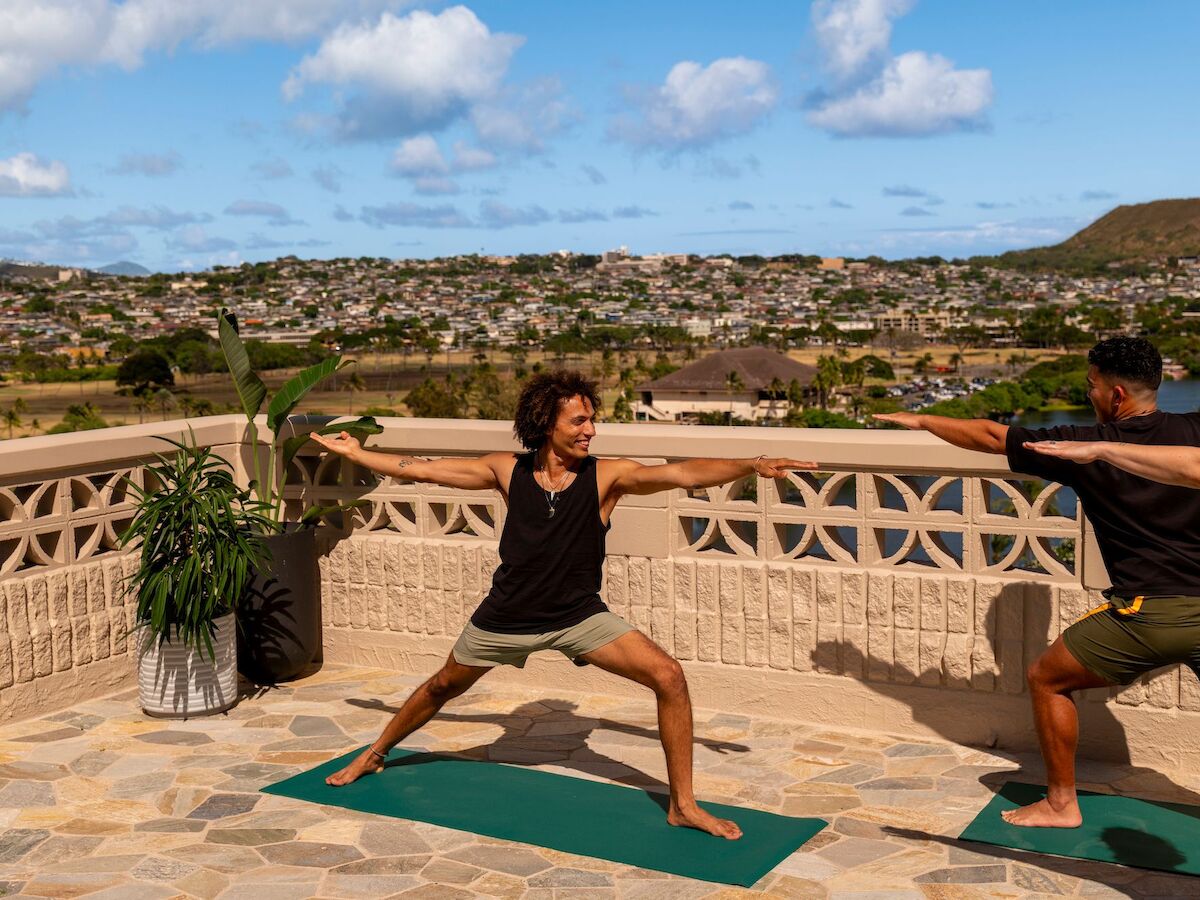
1132	359
538	405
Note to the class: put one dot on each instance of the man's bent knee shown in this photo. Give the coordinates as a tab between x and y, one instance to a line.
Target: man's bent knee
669	679
444	686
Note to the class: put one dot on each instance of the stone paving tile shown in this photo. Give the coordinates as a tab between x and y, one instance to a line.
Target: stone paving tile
104	802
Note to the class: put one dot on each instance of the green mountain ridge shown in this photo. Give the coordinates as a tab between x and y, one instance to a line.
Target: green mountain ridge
1128	235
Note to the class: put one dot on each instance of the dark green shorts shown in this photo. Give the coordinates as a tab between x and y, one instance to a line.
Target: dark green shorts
1128	637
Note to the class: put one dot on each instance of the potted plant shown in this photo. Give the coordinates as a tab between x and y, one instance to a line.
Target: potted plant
280	626
200	542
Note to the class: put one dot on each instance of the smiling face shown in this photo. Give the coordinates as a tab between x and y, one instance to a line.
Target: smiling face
573	430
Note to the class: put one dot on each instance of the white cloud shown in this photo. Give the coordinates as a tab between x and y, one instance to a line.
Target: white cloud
471	159
38	37
418	156
917	94
875	94
522	117
855	35
159	217
413	215
698	105
494	214
195	239
421	160
25	175
982	237
152	165
273	212
416	72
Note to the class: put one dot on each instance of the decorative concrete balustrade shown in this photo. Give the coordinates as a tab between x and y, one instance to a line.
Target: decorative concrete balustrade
903	588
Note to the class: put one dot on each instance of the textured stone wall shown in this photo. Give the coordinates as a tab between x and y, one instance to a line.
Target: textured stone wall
66	636
881	629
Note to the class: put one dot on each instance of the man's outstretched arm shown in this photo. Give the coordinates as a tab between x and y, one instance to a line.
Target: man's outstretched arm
1170	465
970	434
635	478
469	474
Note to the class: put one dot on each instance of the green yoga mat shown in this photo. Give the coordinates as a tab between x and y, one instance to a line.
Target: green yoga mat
573	815
1145	834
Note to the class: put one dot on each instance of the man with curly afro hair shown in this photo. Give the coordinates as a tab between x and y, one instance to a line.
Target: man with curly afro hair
1149	538
545	594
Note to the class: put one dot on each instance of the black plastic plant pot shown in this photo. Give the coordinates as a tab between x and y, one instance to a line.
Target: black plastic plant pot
279	633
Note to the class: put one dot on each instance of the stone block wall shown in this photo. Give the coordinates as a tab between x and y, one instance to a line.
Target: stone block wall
66	636
906	650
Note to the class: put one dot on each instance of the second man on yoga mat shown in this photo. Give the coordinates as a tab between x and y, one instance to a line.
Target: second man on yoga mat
1149	538
545	595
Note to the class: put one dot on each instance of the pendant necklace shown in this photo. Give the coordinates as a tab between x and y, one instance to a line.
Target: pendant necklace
552	494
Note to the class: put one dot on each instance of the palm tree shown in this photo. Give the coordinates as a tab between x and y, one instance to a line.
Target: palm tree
608	365
733	384
143	403
777	390
165	399
795	395
829	376
354	385
956	360
12	419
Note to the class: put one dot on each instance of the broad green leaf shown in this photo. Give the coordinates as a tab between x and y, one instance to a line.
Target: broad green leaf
293	392
315	514
362	429
250	388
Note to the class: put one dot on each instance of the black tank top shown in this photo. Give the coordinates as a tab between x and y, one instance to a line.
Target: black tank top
550	566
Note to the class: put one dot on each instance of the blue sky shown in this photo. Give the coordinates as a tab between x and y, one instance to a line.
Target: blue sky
185	134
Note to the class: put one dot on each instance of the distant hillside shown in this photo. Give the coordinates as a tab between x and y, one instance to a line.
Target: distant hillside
18	269
123	268
1128	234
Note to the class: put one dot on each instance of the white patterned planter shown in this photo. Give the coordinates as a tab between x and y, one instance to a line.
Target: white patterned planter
177	682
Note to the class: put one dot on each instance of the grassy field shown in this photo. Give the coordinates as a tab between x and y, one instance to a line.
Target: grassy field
388	378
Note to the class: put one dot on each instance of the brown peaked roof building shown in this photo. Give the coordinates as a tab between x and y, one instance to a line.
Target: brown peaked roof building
756	366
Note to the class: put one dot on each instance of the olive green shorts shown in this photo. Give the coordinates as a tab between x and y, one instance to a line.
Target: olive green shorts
476	647
1129	636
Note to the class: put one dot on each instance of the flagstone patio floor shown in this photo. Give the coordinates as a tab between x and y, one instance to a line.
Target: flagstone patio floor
104	802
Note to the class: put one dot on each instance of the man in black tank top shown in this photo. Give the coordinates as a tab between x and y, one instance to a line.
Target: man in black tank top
545	594
1149	539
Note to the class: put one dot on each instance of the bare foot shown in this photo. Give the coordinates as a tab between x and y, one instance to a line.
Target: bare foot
367	763
698	818
1043	815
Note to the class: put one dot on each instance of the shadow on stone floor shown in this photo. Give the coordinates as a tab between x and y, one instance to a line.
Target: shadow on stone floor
1126	880
1096	722
1099	729
531	736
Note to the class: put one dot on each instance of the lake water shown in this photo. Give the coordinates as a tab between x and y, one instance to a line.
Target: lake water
1174	396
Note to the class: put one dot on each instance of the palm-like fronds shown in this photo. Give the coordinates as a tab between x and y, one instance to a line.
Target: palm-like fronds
268	484
201	540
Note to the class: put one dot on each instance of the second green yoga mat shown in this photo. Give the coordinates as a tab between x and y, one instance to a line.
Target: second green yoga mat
1141	833
573	815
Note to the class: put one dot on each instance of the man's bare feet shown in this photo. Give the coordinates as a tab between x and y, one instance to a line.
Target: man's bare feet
1044	815
366	763
698	818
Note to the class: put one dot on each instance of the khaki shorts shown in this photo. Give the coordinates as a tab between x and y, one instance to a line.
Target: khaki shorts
1128	637
476	647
